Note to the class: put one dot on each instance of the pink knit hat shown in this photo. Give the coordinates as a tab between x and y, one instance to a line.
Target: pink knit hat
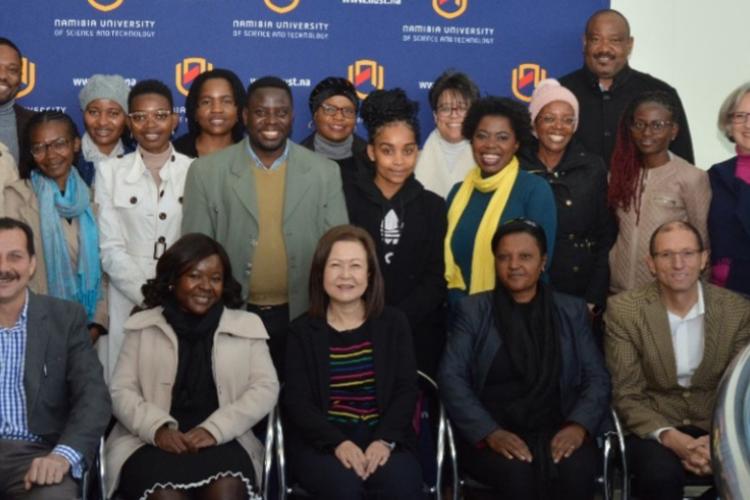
548	91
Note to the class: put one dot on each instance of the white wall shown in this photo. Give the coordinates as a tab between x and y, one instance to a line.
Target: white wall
701	48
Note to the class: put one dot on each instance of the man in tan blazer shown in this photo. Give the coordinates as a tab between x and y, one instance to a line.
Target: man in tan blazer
667	345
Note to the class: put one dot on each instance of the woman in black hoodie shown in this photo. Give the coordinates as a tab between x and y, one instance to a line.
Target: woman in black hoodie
407	222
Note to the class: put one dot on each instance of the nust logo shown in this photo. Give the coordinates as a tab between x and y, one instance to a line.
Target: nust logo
366	75
281	9
186	71
105	6
450	9
525	78
28	77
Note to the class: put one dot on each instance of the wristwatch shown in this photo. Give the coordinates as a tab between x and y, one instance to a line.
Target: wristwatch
390	444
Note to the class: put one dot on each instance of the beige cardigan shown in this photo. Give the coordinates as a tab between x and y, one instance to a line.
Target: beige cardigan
142	383
21	203
8	172
675	191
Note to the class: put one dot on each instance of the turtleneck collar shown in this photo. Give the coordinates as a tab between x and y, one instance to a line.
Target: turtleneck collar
92	153
333	150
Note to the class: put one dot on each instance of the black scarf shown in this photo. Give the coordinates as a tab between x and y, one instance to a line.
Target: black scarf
194	392
529	332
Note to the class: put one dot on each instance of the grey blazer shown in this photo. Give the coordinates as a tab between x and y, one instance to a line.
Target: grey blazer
67	400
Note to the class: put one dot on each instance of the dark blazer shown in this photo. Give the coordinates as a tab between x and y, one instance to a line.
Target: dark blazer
729	223
473	343
67	400
23	115
305	395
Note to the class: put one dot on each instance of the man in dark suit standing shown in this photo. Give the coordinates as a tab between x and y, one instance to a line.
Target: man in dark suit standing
54	404
13	117
667	346
606	84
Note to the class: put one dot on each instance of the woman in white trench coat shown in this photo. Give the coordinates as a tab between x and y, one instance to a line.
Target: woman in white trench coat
140	200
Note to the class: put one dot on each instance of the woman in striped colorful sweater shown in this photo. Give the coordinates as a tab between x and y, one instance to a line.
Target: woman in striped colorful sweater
351	385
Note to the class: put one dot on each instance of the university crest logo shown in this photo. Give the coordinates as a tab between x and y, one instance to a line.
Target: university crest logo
105	6
450	9
281	6
525	78
28	77
366	75
187	70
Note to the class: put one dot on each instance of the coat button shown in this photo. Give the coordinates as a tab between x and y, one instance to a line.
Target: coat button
162	239
576	269
133	200
568	203
686	421
179	199
686	394
162	216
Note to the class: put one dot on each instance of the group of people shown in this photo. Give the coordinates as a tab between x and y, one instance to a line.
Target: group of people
500	258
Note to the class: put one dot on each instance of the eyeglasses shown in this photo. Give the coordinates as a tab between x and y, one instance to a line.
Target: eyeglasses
739	117
160	115
331	110
447	109
567	121
655	126
111	114
59	146
684	254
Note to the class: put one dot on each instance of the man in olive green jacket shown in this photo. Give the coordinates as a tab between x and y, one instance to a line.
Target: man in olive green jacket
267	201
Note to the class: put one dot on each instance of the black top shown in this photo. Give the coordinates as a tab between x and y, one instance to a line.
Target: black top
306	393
600	110
586	228
409	232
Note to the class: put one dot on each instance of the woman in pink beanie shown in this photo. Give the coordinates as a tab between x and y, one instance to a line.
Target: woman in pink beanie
579	181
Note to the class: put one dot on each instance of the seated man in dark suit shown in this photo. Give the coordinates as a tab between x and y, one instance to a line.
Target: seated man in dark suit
667	346
54	404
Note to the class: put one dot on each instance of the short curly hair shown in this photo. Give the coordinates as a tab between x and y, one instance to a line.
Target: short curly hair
383	107
179	259
516	113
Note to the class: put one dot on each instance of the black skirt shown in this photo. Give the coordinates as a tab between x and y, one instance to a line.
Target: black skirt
151	468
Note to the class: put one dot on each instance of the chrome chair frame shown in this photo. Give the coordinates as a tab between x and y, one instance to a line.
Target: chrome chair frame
611	440
444	439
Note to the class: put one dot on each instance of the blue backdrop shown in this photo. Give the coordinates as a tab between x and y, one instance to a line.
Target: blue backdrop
505	45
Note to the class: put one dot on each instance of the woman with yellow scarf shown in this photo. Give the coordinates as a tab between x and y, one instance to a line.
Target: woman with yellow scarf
495	191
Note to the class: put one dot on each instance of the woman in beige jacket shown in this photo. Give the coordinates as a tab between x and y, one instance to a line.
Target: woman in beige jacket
193	377
56	203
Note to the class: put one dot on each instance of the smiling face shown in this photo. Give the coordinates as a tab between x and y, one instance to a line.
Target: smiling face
335	118
53	149
449	115
216	112
652	131
607	45
741	131
519	264
268	118
152	122
494	143
16	266
394	153
201	286
10	73
105	123
677	261
554	126
345	277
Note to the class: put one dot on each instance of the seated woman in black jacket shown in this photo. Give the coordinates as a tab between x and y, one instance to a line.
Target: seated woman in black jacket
522	379
406	221
351	385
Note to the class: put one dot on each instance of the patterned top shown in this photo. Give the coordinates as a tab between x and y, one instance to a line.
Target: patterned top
13	416
352	378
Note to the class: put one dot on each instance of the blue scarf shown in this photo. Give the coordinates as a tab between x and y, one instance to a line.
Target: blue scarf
83	286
